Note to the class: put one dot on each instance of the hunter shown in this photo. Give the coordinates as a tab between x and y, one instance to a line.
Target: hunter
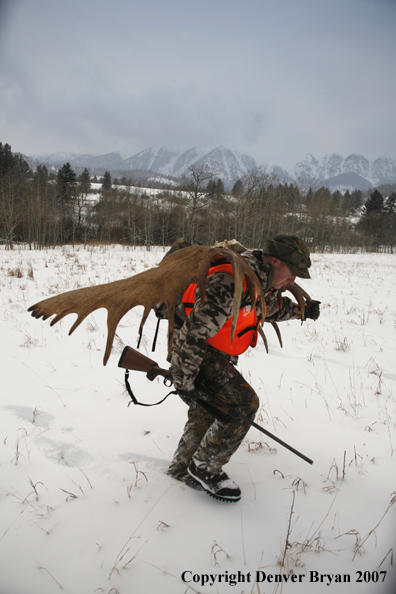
201	349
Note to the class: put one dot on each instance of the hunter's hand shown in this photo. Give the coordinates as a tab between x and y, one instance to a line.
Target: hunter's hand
312	311
189	397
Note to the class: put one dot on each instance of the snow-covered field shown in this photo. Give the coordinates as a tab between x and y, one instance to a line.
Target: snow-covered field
85	502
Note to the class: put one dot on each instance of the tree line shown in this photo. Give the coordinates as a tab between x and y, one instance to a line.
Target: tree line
42	208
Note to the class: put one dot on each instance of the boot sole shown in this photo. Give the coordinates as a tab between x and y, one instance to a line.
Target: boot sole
225	498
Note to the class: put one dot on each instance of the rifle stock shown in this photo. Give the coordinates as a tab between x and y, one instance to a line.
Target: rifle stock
135	361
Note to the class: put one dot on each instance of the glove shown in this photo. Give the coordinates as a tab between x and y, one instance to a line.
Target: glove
312	311
188	396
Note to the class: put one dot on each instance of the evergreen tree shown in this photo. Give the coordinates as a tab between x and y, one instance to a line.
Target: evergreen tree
336	202
41	174
293	196
237	189
219	188
390	204
106	183
12	163
390	221
374	204
85	181
6	159
356	201
66	193
211	188
309	198
66	182
372	219
347	202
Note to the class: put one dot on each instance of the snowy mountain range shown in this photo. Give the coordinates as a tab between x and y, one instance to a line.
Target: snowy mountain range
351	172
335	171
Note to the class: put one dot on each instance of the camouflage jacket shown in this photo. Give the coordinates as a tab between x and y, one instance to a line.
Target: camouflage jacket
191	333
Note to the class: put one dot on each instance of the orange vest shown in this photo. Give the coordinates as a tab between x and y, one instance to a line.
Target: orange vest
246	326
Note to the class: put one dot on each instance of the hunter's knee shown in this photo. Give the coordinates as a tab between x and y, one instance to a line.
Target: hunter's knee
254	403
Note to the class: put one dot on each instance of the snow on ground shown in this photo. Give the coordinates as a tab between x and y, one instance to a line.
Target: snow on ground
141	191
85	502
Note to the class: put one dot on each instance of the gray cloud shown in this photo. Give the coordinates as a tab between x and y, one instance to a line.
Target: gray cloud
269	77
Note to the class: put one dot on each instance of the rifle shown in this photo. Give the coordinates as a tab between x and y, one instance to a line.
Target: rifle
135	361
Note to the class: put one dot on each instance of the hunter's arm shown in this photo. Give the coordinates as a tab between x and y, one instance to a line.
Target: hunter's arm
290	309
190	343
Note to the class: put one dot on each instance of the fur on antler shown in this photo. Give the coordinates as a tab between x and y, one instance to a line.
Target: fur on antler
164	283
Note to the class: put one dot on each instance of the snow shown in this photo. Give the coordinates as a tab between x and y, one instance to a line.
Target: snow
86	505
138	190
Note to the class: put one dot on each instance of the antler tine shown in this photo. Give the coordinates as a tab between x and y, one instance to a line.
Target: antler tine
278	333
144	318
255	295
112	323
263	336
300	295
113	318
238	292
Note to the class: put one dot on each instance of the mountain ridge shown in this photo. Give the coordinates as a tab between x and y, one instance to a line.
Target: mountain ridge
333	170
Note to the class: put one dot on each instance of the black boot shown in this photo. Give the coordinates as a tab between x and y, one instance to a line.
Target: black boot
217	485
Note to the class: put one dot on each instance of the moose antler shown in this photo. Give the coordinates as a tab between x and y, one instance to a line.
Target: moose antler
302	298
164	283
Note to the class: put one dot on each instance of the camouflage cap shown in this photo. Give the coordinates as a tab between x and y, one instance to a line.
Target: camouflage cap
292	250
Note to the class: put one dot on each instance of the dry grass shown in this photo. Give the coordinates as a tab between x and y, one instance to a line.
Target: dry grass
16	272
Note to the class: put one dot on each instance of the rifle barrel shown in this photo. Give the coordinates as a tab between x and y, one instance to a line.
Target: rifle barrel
283	443
225	409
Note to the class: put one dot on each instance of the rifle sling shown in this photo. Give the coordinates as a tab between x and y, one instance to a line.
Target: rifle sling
133	397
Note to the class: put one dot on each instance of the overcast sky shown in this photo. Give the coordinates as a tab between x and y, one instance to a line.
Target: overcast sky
275	78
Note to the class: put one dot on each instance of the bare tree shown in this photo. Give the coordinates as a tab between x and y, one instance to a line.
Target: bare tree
194	184
14	172
11	211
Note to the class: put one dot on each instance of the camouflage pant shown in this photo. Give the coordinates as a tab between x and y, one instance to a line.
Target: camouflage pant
207	439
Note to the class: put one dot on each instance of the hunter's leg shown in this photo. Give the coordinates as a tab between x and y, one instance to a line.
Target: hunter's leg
197	425
221	440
